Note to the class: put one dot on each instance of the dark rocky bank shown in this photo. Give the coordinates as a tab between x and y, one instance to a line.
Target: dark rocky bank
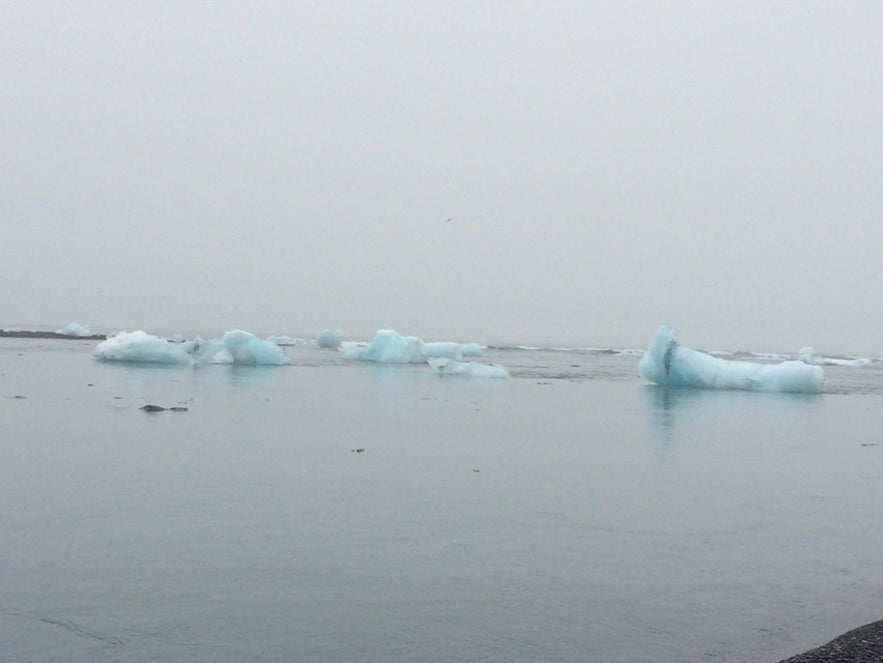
861	645
49	334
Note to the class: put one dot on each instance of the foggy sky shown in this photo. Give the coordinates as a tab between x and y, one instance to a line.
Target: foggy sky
607	167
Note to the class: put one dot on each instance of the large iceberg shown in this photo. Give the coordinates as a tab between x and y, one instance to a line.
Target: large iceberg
808	356
666	362
235	347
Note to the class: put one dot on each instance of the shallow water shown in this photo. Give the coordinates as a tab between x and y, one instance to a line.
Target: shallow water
572	513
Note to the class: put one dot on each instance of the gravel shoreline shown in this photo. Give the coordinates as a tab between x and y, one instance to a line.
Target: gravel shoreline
861	645
7	333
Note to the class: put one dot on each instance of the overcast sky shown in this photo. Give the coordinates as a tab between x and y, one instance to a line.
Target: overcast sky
606	167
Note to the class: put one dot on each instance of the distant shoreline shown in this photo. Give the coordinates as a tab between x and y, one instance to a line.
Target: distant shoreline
49	334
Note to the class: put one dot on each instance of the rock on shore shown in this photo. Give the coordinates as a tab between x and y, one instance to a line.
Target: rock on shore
861	645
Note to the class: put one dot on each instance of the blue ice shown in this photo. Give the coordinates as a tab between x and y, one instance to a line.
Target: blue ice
235	347
238	347
329	338
389	346
666	362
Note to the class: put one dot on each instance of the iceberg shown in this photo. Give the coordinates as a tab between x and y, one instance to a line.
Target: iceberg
444	366
451	350
808	356
235	347
388	346
76	329
442	349
666	362
329	338
391	347
238	347
139	346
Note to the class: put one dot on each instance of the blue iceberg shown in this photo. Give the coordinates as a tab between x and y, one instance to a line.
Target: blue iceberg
239	347
388	346
451	349
329	338
235	347
666	362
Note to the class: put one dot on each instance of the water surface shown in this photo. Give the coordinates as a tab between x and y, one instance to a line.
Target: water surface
571	513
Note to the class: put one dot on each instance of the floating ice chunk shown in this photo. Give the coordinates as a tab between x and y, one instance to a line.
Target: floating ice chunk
444	366
808	356
235	347
389	346
667	363
329	338
76	329
470	349
451	350
139	346
239	347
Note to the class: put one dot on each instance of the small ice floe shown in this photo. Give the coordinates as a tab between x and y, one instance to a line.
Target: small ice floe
329	338
76	329
445	366
808	356
388	346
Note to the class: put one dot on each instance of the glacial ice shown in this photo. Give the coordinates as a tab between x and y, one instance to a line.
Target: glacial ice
329	338
451	349
389	346
235	347
444	366
241	348
76	329
808	356
666	362
139	346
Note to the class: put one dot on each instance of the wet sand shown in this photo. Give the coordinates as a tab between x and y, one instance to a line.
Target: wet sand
861	645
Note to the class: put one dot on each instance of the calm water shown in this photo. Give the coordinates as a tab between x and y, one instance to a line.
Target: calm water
572	513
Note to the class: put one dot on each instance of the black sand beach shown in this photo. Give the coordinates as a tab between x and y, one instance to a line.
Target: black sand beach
861	645
49	334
